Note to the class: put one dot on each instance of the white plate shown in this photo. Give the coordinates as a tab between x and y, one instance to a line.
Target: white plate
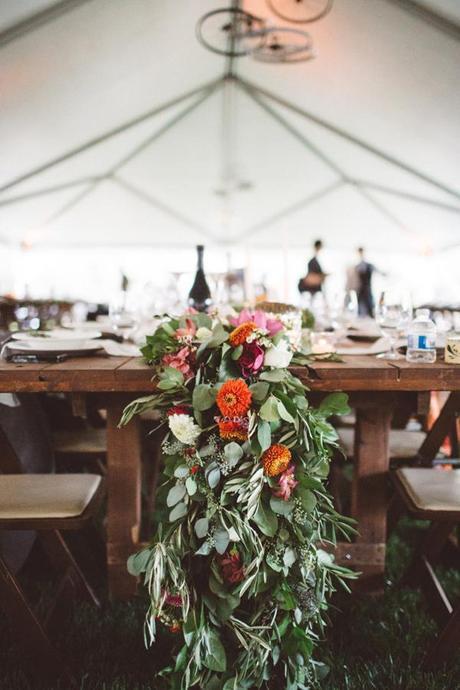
74	338
381	345
53	346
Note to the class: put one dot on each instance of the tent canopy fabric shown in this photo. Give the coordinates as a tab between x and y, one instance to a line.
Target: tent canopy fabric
119	128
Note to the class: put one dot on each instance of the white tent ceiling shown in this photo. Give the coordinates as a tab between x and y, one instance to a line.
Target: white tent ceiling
384	82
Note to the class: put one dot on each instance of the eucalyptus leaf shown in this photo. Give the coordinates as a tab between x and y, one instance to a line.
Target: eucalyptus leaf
269	410
213	477
264	435
281	507
274	376
221	539
201	527
266	520
181	472
334	403
178	512
259	390
190	485
289	557
204	550
175	494
283	413
216	659
204	397
307	498
233	453
137	563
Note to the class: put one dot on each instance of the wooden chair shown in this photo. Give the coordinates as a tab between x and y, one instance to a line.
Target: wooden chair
404	445
89	445
433	495
48	503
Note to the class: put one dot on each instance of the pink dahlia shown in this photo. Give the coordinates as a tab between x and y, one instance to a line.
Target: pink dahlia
260	319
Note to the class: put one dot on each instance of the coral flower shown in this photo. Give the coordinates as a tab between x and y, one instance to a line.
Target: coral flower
175	627
233	431
231	566
234	398
188	331
287	483
276	459
240	334
180	360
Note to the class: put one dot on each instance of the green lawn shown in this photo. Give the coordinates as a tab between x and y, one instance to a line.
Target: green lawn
372	643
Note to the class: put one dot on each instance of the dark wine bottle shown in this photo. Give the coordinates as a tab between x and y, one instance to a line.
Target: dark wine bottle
200	295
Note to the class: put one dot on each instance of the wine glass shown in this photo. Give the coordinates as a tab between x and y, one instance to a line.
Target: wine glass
123	315
391	316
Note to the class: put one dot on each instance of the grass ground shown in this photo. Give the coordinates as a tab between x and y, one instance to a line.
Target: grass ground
372	643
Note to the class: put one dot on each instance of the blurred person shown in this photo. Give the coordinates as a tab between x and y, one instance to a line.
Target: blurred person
313	281
365	271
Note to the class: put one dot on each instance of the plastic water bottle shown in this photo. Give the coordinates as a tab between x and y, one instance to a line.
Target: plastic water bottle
421	338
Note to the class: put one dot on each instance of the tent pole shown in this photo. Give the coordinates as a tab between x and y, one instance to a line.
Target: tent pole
110	133
253	93
161	206
47	190
330	163
405	195
37	19
421	11
252	88
136	151
284	213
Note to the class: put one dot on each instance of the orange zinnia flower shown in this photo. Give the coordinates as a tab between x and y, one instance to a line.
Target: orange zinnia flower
239	335
232	431
276	459
234	398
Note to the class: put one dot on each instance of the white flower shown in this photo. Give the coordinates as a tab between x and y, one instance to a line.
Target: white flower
184	428
278	356
203	334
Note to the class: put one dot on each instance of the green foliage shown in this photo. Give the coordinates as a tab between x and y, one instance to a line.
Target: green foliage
235	553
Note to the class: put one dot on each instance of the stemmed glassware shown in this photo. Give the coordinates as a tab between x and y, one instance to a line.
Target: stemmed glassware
124	315
393	313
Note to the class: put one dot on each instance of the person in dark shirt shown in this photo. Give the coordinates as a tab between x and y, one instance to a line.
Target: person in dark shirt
313	281
365	270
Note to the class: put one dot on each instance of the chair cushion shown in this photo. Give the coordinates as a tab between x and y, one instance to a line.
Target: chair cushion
431	489
403	444
83	441
26	496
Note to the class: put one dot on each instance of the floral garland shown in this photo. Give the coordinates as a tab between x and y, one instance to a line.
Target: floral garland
238	566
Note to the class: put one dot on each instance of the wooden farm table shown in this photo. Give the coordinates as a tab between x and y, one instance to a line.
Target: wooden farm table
374	387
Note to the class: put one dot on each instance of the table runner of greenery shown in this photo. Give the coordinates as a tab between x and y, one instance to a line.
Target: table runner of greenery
238	566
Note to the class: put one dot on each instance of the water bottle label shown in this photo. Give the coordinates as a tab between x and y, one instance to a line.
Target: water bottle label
421	342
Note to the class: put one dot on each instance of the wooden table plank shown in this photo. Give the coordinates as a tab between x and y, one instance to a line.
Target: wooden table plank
418	376
354	373
83	374
135	375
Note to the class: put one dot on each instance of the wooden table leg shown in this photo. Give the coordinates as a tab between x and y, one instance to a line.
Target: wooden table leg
369	491
124	496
